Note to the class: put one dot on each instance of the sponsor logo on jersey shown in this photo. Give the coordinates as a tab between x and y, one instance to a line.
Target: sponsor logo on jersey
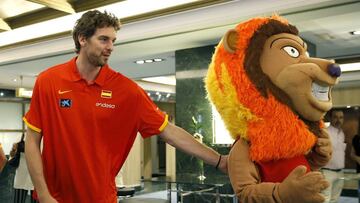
65	103
64	91
105	105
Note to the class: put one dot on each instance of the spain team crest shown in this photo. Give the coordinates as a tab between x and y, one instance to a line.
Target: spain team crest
106	94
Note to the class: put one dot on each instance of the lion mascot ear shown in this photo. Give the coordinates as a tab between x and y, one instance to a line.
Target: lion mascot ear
230	40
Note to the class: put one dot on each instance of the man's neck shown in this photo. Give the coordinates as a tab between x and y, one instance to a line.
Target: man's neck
87	70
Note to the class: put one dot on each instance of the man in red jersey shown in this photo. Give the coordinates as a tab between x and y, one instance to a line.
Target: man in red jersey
88	116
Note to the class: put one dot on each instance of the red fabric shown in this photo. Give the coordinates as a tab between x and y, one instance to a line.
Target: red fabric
34	196
86	143
277	171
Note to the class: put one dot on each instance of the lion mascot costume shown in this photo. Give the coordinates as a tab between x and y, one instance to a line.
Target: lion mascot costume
272	98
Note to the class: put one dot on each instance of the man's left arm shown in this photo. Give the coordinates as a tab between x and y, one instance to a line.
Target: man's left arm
180	139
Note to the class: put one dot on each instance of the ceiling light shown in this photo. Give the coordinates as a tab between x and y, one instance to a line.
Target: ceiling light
167	80
63	24
350	67
15	80
149	61
1	94
140	62
357	32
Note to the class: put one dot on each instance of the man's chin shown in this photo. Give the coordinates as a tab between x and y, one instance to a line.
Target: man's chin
102	63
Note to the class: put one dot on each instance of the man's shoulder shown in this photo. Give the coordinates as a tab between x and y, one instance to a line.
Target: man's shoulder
54	70
121	80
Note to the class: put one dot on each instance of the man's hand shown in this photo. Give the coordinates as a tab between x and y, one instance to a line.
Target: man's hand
223	164
303	187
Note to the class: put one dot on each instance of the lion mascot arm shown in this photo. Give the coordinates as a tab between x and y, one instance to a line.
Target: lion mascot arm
320	155
245	178
298	187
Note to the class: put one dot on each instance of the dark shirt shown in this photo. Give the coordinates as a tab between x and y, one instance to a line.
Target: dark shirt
7	183
356	145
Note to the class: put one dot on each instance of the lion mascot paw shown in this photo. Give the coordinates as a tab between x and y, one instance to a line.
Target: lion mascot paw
272	98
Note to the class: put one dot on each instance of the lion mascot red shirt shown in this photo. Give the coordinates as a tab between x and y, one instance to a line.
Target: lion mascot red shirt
272	98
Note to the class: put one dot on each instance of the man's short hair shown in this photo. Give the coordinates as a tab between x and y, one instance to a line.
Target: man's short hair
89	22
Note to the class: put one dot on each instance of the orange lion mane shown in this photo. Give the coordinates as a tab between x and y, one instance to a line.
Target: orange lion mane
272	129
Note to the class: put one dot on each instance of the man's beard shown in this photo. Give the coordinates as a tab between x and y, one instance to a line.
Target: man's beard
96	60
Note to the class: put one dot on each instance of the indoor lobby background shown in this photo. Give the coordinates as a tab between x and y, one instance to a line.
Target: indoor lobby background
166	48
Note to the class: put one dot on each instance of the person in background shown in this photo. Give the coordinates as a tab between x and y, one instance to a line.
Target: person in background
7	173
88	116
333	171
355	153
22	181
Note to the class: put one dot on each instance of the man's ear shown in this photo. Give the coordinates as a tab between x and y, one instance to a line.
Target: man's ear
82	40
229	41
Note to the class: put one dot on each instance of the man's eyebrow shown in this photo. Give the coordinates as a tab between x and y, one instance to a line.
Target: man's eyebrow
289	39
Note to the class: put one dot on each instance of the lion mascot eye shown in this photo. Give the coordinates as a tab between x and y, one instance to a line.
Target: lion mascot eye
292	51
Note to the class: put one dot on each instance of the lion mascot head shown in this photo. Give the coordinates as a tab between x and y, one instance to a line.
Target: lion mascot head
272	97
268	90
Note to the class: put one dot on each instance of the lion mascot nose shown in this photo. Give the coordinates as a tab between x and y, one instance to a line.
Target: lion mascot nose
334	70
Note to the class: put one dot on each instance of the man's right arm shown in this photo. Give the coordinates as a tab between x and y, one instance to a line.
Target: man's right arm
3	159
35	166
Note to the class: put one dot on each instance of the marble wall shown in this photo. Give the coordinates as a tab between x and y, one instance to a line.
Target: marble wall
193	110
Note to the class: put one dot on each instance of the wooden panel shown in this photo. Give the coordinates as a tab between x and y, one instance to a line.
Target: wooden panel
130	171
60	5
147	159
4	25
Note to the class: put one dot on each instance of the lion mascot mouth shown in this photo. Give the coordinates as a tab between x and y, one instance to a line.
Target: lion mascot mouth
270	94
